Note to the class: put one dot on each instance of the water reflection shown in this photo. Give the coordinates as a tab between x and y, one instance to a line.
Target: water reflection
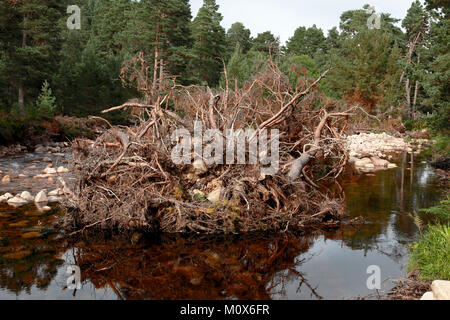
319	265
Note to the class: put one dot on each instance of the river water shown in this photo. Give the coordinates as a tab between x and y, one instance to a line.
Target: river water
34	257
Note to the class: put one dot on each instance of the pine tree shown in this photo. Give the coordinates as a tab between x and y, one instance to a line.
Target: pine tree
161	29
31	46
309	42
266	42
238	35
209	43
416	26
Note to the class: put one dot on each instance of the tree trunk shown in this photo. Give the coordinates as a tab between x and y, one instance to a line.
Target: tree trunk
415	99
21	98
408	98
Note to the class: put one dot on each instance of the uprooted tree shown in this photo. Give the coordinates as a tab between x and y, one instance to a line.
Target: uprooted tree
126	179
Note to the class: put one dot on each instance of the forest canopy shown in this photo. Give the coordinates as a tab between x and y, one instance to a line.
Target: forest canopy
401	68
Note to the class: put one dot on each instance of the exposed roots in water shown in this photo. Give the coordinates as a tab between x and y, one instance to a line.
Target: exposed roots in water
127	180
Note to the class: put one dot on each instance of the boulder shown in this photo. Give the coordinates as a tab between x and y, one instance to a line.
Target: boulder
47	159
441	289
61	169
377	162
49	171
27	196
362	162
369	166
41	197
56	192
17	201
6	179
427	296
199	166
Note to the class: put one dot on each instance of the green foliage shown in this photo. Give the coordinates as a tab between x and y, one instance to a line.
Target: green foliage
238	35
430	255
308	42
442	145
441	211
46	103
267	43
242	67
209	44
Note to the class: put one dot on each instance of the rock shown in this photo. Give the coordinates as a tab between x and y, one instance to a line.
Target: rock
56	192
27	196
441	289
362	162
369	166
377	162
427	296
49	171
392	165
17	201
6	197
41	197
6	179
47	159
199	166
62	170
53	199
40	149
198	192
214	196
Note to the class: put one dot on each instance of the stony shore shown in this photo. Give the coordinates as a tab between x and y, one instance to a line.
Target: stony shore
41	175
370	151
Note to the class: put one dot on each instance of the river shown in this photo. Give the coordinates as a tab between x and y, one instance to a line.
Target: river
34	257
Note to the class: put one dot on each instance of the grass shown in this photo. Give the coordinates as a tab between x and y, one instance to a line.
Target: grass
430	255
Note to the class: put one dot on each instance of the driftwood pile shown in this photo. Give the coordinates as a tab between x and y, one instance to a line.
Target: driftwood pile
127	180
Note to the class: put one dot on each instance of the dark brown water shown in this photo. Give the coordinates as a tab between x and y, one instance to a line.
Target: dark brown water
320	265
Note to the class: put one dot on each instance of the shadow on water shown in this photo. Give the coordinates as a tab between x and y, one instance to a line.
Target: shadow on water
319	265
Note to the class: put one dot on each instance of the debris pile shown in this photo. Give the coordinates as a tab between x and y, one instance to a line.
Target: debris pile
127	178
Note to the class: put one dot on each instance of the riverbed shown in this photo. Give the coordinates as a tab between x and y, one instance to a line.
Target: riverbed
332	264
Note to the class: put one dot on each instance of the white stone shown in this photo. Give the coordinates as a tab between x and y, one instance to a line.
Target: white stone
56	192
392	165
27	196
62	170
53	199
214	196
427	296
199	192
49	171
199	166
6	179
17	201
369	166
441	289
41	197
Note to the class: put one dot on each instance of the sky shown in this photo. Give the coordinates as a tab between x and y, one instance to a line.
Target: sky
282	17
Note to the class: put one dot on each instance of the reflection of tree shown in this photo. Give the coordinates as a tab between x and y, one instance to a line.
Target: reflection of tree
247	268
25	263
